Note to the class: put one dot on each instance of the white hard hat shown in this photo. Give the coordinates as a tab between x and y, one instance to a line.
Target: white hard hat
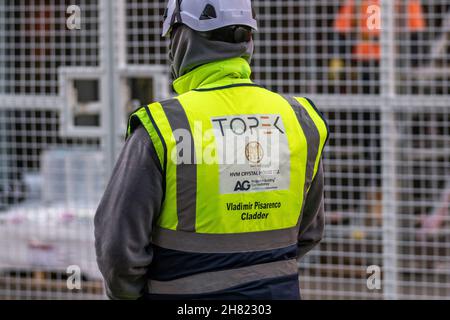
208	15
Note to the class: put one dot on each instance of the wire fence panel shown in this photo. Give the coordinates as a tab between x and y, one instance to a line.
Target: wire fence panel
424	197
378	69
50	178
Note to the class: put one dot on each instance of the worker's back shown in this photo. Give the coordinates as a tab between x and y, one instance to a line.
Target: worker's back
217	192
237	162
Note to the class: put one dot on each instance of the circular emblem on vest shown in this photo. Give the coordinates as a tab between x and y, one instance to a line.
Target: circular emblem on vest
254	152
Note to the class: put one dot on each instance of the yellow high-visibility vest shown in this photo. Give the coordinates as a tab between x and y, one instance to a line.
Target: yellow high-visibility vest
237	162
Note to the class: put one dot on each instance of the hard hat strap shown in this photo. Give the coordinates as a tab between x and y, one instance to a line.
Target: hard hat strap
176	17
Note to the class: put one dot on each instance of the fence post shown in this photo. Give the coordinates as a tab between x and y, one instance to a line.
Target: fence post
110	82
388	150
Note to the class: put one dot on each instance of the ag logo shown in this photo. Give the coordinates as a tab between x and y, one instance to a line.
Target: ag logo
242	186
254	152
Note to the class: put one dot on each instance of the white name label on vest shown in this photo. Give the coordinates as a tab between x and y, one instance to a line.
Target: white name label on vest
253	153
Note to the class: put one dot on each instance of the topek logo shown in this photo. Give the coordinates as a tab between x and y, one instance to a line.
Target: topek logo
241	125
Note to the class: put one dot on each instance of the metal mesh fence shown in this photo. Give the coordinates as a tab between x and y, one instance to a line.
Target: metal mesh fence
50	181
379	70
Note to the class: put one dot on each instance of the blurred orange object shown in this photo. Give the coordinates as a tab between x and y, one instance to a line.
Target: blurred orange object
344	19
366	51
416	20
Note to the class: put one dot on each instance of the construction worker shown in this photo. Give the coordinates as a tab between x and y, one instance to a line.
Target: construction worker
173	224
359	22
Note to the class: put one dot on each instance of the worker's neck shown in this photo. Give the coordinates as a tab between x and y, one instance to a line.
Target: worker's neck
214	74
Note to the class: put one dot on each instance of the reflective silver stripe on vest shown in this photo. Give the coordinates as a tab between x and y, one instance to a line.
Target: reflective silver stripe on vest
312	138
186	172
225	243
220	280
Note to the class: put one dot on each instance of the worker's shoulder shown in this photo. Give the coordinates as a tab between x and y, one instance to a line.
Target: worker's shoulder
308	105
145	110
305	102
138	135
293	100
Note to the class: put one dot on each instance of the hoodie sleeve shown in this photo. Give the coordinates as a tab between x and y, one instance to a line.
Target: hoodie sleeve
124	218
313	220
